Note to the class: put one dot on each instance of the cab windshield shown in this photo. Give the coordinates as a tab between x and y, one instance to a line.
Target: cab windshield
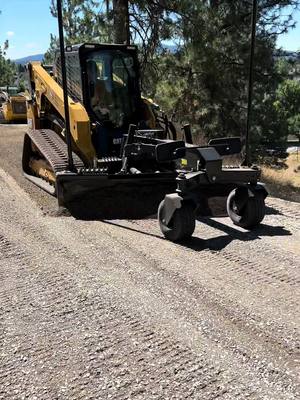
112	85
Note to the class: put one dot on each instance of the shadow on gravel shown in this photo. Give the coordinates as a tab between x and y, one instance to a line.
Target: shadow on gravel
261	230
133	229
219	242
272	211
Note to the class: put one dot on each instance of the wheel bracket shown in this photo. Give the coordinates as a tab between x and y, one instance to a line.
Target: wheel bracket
172	203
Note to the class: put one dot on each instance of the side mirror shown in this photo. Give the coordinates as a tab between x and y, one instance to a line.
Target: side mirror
226	146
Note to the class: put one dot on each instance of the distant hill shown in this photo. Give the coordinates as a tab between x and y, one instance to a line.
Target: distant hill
39	57
287	55
25	60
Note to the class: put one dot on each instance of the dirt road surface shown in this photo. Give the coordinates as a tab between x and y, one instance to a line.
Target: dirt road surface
111	310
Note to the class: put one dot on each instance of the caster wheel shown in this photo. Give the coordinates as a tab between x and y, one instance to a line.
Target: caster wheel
250	214
182	224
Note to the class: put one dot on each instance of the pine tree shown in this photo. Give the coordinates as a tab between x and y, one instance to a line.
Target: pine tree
121	21
205	81
84	21
7	68
203	78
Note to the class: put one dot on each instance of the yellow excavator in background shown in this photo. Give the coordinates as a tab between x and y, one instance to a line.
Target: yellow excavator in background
13	105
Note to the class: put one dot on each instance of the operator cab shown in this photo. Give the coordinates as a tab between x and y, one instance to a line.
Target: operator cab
105	79
112	86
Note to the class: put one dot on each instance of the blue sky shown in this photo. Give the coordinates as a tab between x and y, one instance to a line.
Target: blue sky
28	24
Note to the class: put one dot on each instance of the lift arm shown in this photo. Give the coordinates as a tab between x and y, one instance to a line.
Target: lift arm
45	86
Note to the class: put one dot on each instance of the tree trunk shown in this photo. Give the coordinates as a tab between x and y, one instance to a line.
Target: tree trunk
107	7
121	21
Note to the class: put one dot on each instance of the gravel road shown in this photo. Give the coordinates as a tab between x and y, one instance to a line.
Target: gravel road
111	310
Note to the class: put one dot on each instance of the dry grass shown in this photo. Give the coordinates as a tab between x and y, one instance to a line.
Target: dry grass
284	182
285	176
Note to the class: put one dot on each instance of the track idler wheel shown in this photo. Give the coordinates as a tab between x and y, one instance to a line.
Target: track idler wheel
246	208
182	223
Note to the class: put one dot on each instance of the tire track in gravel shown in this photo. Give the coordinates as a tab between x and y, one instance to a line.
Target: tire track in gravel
168	279
287	209
57	280
55	283
155	353
114	238
287	344
185	281
290	347
270	265
52	287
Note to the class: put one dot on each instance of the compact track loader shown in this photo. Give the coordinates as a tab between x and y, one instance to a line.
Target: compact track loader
93	139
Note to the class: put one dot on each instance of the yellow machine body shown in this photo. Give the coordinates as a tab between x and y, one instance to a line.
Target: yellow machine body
47	87
14	109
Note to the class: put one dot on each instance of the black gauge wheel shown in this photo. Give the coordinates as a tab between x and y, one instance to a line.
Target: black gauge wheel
181	225
248	215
